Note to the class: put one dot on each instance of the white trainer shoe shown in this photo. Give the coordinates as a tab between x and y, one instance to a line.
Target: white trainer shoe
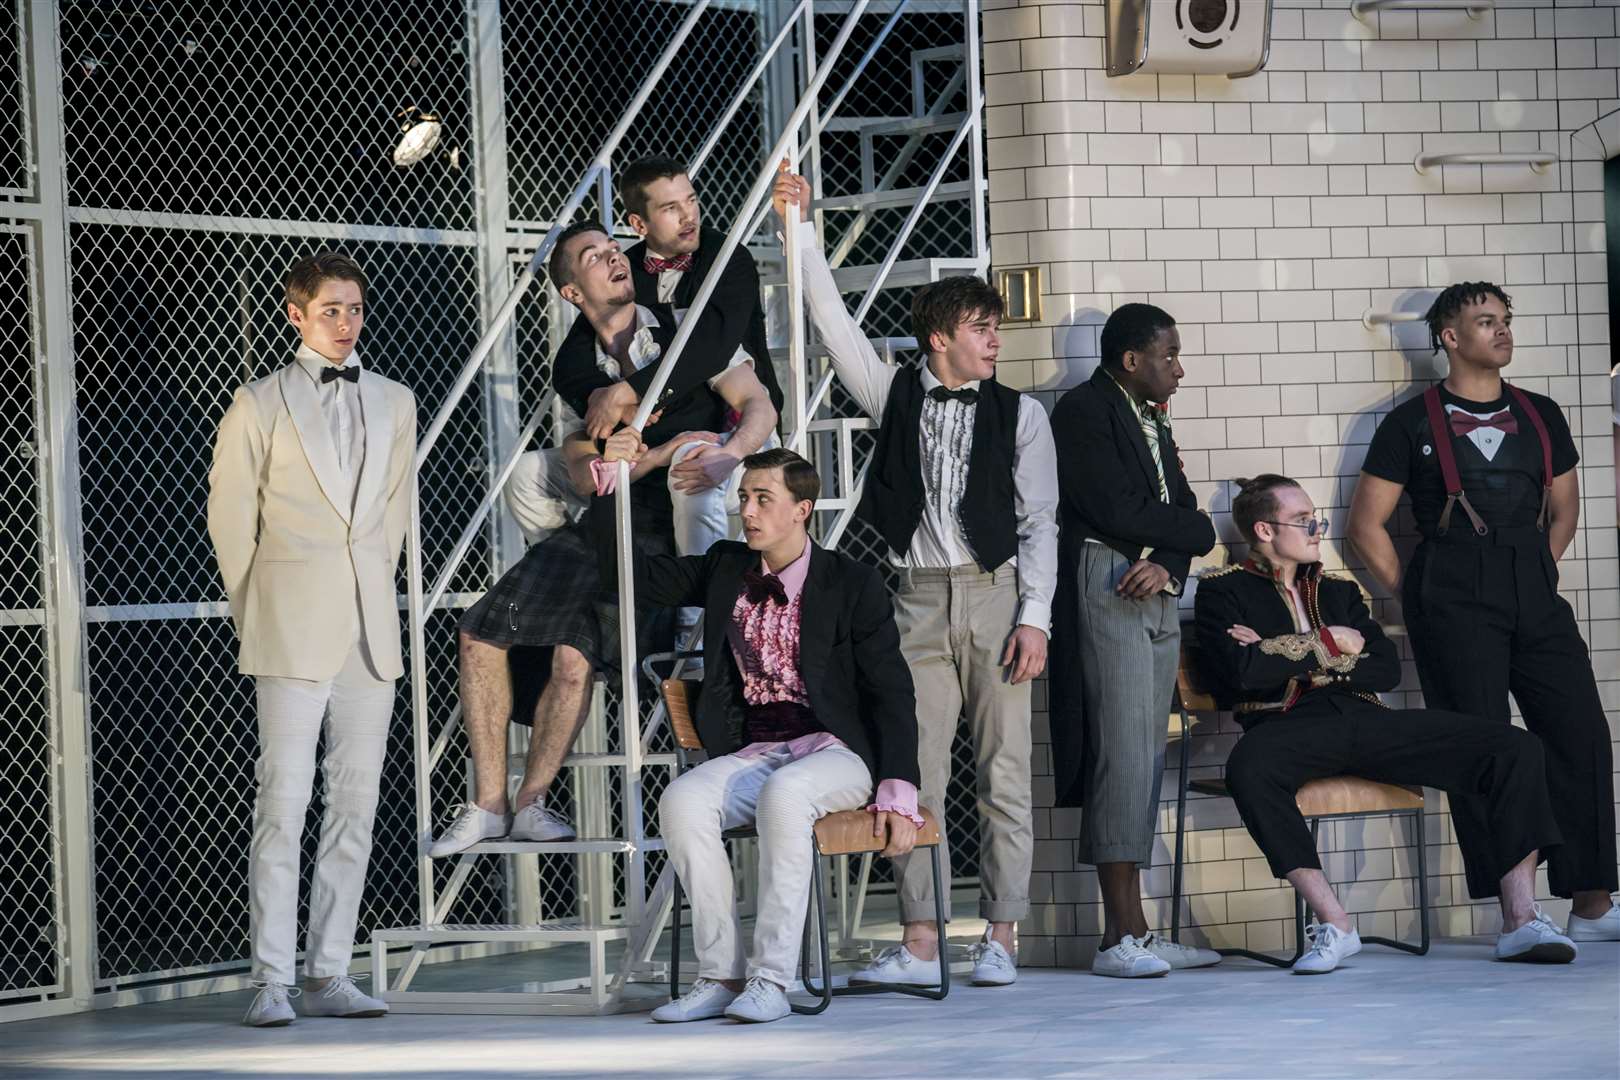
1129	960
1605	927
270	1006
1180	956
1330	947
473	823
340	997
706	1000
992	964
895	966
1536	942
536	823
760	1002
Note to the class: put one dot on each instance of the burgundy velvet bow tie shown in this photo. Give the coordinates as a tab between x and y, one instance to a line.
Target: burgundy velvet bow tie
762	587
654	265
1504	421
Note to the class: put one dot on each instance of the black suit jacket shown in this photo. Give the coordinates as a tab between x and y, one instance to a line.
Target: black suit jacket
733	316
849	647
1287	666
1108	491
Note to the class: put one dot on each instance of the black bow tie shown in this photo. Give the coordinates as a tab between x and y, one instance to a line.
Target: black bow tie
939	393
762	587
348	374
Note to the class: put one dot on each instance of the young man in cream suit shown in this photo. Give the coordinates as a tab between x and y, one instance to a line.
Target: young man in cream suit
308	502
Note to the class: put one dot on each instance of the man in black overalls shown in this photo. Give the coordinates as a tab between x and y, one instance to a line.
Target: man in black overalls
1491	471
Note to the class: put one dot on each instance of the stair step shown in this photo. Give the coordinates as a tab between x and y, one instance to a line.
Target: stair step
867	200
587	846
881	344
575	760
905	272
914	125
561	930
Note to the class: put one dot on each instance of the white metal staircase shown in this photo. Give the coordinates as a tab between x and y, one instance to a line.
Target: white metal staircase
889	146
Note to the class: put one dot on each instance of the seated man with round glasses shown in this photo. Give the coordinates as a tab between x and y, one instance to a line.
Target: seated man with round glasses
1298	658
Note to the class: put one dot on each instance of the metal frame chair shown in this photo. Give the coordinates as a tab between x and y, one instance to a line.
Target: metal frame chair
676	694
1366	798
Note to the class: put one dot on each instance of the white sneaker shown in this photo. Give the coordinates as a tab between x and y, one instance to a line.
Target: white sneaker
895	966
1536	942
1605	927
270	1006
992	965
760	1002
1180	956
1330	947
1129	960
706	1000
473	823
341	997
536	823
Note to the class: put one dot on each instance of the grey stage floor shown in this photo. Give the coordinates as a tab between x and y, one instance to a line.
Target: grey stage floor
1452	1013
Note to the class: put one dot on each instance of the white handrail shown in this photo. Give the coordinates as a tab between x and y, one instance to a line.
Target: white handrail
1475	8
1539	160
1371	318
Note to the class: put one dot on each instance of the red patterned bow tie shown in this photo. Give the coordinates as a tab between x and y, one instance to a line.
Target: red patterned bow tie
654	265
1504	421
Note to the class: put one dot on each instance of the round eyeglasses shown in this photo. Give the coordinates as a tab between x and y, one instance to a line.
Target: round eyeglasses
1317	526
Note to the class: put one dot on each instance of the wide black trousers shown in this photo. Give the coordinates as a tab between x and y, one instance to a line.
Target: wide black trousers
1334	734
1486	620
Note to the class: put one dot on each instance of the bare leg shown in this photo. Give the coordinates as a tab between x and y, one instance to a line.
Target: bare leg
921	939
558	717
1121	886
1313	885
1519	894
486	708
1591	903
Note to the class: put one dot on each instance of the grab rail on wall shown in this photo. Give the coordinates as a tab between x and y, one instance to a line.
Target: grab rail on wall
1539	160
1371	319
1476	9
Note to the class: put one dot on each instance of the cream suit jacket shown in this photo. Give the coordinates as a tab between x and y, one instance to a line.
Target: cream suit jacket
294	555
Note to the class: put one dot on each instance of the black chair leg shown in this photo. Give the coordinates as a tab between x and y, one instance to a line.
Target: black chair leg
817	915
1181	837
675	941
1423	899
944	954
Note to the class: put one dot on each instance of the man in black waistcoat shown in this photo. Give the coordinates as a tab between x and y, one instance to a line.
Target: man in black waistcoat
550	605
1491	472
1131	527
1297	657
962	487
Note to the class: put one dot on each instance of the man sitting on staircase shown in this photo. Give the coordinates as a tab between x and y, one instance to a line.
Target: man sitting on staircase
806	707
1298	658
549	606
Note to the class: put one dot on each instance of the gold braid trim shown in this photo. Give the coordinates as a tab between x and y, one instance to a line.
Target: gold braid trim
1343	662
1293	646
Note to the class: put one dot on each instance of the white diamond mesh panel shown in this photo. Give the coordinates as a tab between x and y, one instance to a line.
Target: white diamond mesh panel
16	154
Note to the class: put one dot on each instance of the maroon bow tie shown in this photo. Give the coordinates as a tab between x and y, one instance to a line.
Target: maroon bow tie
1504	421
762	587
654	265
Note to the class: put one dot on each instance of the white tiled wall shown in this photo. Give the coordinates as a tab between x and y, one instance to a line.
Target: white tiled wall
1267	215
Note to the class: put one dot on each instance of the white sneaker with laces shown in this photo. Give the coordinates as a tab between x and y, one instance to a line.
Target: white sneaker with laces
760	1002
473	823
536	823
1536	942
895	966
270	1006
1129	960
706	1000
1330	947
1180	956
1605	927
992	964
340	997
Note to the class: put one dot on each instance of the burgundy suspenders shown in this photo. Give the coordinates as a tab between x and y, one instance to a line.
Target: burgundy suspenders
1455	495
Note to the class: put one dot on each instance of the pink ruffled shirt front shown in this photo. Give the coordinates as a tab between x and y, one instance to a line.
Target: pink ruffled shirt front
764	638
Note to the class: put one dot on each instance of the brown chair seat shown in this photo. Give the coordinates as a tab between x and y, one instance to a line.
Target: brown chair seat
1337	795
849	832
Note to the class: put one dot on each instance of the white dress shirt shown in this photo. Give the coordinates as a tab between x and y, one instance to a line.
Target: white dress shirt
644	350
340	408
946	438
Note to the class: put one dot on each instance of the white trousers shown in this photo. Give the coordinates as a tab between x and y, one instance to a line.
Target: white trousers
782	798
355	707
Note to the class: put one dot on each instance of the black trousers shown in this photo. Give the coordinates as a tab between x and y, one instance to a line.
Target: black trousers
1334	734
1486	620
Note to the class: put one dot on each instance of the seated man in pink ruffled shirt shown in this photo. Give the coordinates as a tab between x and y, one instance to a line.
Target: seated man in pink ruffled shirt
806	706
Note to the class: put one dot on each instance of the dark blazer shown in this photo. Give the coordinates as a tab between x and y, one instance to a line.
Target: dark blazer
1108	491
849	647
733	316
1286	667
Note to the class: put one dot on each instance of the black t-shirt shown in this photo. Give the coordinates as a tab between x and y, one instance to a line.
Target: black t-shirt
1500	472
